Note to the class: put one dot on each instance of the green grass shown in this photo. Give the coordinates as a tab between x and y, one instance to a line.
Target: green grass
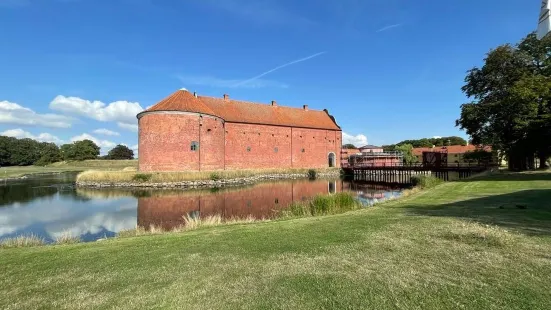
16	171
484	243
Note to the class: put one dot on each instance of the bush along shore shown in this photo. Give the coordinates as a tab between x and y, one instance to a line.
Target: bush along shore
205	179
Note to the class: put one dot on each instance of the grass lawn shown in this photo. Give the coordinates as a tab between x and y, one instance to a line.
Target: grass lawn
481	244
16	171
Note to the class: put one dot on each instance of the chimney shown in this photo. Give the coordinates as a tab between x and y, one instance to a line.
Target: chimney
195	94
305	107
226	97
274	103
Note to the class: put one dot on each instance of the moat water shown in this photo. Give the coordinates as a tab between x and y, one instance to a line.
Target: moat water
50	206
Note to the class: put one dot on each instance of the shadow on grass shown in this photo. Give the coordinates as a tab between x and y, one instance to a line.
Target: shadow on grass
527	211
514	176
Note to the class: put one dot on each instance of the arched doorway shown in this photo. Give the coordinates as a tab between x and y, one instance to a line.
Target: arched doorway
331	159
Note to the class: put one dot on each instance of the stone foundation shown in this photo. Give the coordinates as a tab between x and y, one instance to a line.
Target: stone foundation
206	183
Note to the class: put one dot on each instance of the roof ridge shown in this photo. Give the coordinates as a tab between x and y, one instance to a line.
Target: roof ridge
261	103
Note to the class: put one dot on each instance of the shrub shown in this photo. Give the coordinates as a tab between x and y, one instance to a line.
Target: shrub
142	177
312	174
215	176
425	181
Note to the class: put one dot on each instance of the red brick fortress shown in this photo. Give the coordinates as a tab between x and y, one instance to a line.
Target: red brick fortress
189	132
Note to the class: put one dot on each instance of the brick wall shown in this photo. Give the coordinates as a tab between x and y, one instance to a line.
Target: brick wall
165	144
263	146
254	146
212	141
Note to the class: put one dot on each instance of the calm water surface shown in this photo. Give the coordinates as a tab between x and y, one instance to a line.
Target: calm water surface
50	206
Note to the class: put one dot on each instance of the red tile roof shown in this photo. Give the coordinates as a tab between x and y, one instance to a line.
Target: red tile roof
182	100
452	149
246	112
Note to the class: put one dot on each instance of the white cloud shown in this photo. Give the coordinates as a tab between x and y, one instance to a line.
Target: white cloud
105	145
437	137
134	147
20	134
13	113
211	81
106	132
358	140
118	111
127	126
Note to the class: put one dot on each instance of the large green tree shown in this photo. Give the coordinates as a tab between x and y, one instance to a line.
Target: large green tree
407	152
510	107
80	150
24	152
120	152
49	153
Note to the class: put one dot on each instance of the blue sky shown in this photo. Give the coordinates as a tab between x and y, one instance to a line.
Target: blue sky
388	70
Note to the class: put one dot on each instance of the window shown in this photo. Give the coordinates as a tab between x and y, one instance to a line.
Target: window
248	148
303	150
194	146
276	201
276	150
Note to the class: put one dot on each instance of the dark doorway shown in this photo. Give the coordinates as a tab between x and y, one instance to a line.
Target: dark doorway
331	159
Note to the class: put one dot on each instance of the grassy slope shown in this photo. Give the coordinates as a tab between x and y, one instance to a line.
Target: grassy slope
68	166
423	252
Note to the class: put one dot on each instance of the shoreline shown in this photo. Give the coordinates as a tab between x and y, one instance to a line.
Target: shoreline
195	184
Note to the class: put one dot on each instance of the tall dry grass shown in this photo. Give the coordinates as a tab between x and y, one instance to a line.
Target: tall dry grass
167	177
189	223
22	241
67	238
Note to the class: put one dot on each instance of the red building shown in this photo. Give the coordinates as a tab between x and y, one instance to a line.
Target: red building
373	156
189	132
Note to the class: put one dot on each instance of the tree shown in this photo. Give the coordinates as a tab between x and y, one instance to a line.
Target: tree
80	150
407	152
478	156
6	145
349	146
120	152
510	107
24	152
49	153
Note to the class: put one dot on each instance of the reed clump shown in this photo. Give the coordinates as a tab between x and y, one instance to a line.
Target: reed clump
22	242
67	238
189	223
425	181
322	205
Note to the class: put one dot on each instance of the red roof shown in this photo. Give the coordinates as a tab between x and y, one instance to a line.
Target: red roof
246	112
182	100
452	149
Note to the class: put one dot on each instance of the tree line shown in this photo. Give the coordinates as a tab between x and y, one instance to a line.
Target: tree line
25	152
510	106
428	142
